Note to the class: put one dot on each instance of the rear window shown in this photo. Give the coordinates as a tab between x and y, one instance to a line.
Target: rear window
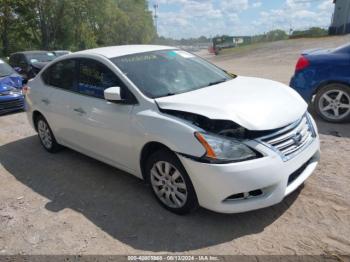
62	75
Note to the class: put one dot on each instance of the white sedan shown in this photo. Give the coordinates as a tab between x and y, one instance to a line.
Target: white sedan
198	135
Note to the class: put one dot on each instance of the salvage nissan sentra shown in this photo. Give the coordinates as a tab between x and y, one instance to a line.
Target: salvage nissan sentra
198	135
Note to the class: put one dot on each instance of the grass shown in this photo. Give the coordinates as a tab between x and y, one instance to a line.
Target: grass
240	49
250	47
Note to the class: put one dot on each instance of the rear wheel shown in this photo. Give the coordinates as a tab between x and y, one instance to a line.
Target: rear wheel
170	183
332	103
46	136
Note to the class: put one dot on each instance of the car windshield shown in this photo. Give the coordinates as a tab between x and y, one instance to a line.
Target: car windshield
61	53
5	69
41	57
169	72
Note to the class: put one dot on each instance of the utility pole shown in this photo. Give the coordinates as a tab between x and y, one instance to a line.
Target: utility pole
155	6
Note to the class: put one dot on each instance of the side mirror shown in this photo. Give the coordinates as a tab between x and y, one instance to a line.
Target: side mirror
113	94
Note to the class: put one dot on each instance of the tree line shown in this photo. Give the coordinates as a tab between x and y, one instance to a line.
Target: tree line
270	36
73	24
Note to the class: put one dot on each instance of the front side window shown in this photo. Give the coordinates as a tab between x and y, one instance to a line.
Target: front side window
169	72
13	60
94	78
61	74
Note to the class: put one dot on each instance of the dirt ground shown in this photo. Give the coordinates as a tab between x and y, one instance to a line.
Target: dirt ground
68	203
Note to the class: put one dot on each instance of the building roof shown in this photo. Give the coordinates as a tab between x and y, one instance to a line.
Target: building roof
122	50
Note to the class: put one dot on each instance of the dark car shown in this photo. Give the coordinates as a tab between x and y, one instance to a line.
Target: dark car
11	97
29	63
323	78
61	52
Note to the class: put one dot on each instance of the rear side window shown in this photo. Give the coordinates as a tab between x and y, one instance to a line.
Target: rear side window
62	75
14	60
95	77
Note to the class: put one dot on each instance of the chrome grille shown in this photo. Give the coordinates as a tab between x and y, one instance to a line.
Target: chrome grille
291	140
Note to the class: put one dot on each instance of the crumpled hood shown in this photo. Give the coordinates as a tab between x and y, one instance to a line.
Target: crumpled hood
253	103
10	81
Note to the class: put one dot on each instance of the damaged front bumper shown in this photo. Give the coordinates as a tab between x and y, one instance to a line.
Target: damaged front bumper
252	184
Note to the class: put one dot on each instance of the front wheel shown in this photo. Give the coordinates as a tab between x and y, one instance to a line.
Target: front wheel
170	183
332	103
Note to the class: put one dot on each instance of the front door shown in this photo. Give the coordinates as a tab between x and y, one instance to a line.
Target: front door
102	127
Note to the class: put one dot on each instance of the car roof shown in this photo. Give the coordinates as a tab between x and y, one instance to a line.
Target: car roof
122	50
32	52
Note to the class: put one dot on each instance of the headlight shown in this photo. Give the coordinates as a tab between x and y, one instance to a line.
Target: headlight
16	92
221	149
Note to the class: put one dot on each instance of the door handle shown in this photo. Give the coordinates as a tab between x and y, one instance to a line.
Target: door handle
79	110
45	101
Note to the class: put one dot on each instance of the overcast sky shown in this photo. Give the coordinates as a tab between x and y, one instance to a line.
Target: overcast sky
193	18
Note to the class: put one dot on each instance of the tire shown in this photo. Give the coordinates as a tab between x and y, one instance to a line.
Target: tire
170	182
332	103
46	137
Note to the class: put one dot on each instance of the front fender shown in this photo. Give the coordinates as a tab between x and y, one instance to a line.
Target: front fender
175	133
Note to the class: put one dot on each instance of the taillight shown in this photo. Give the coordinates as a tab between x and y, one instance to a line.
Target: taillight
302	63
25	89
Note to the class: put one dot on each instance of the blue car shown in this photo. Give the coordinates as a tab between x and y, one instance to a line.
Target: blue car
323	78
11	97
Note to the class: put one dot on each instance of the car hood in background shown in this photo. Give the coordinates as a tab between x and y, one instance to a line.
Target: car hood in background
317	51
13	80
253	103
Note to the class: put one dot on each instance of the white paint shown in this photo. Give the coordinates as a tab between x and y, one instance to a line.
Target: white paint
116	51
116	133
184	54
256	104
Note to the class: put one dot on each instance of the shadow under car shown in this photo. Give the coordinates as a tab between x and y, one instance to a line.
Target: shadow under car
123	205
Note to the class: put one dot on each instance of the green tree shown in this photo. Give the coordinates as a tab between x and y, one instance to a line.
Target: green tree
73	24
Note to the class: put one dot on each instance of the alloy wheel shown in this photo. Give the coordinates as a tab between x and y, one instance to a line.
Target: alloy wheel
334	104
44	134
169	184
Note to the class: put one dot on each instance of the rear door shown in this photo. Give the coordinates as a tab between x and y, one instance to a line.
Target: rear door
61	83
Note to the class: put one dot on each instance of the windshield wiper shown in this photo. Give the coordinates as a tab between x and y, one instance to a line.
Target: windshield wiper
165	95
217	82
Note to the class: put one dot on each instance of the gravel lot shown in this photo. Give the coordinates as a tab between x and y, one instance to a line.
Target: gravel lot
69	203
